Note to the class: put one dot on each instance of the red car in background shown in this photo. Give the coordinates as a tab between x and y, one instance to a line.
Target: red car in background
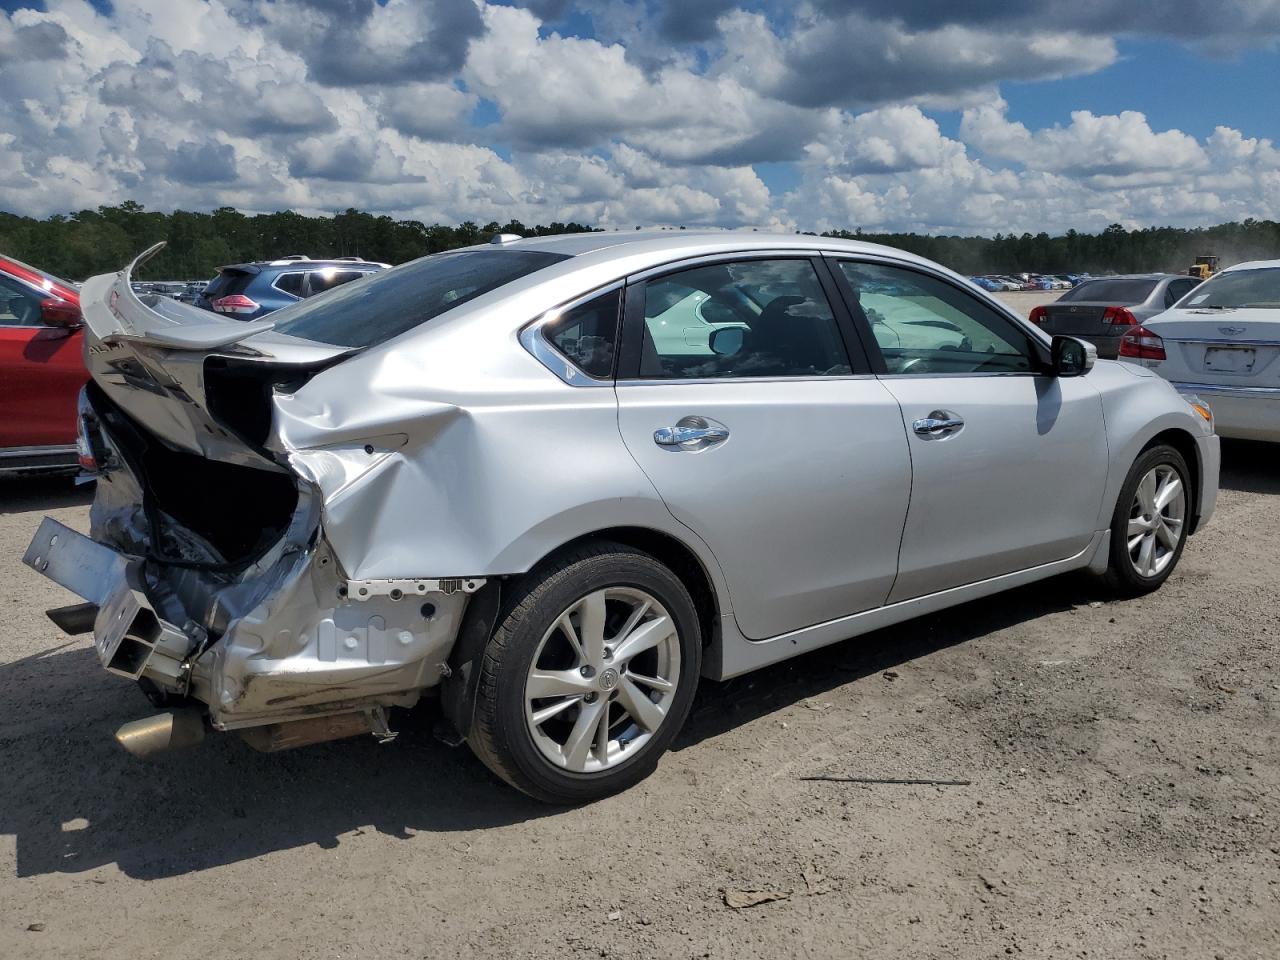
41	370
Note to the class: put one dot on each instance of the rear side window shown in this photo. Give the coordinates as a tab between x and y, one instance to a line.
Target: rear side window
386	304
755	318
1120	292
290	283
587	335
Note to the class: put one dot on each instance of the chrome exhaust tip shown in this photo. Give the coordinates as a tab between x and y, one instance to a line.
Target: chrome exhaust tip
170	730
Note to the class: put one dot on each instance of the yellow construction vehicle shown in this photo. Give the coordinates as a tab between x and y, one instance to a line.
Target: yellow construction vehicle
1204	268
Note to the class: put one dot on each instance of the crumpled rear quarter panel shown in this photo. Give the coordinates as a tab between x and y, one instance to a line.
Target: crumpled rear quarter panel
433	462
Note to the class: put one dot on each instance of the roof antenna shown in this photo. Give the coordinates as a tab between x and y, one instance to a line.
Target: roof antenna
501	238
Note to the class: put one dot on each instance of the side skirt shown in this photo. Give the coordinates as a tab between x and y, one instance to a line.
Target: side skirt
739	655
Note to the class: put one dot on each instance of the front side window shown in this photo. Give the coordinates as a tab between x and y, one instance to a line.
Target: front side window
587	335
924	325
19	305
754	318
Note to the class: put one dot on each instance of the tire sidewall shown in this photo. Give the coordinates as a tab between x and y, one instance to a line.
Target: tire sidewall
556	594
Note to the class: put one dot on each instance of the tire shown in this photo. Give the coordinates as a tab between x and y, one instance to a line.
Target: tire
1130	571
648	637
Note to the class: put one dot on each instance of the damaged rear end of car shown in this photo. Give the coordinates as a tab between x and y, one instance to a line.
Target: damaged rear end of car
208	575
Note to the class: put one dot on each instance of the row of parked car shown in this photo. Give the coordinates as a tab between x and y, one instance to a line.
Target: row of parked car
997	283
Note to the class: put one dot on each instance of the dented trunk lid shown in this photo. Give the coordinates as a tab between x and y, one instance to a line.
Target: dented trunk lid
199	382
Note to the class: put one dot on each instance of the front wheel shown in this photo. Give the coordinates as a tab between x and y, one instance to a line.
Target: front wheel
589	675
1149	527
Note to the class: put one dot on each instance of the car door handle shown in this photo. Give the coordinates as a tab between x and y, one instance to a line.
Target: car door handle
937	424
691	432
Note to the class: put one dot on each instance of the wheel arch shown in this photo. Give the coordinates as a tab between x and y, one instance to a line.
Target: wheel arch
678	556
1185	444
457	695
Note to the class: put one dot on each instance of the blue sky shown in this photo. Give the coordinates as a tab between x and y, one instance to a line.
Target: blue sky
980	117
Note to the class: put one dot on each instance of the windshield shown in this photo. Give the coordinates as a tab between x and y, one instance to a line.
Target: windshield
1238	288
1120	291
386	304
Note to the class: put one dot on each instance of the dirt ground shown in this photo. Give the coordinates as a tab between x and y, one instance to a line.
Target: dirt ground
1121	768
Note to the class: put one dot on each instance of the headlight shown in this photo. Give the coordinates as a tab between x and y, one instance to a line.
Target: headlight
1200	407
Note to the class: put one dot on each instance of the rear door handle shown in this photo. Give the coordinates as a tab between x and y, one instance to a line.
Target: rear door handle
940	423
691	433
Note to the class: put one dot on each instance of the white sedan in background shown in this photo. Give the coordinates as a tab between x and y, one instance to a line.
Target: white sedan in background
1221	343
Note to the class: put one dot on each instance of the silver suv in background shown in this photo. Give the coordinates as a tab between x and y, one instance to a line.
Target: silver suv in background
1104	309
553	482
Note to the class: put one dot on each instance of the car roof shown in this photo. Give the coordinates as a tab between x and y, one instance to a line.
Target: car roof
39	278
672	244
257	266
1254	265
1140	276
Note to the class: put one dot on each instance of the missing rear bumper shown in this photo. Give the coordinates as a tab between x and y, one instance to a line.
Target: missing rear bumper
289	645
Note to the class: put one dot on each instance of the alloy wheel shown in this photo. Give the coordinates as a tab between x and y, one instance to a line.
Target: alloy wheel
603	678
1156	520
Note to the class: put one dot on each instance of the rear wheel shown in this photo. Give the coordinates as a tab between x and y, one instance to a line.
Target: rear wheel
589	675
1149	527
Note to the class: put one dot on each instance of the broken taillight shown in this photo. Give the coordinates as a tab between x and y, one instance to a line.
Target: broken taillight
1141	344
236	303
85	448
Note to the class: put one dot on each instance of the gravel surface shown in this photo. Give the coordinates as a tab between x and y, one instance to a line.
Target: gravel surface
1121	760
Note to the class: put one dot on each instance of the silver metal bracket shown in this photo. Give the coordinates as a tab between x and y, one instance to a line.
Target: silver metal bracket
400	589
382	731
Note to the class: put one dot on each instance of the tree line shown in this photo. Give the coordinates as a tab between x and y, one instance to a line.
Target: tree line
88	242
1114	250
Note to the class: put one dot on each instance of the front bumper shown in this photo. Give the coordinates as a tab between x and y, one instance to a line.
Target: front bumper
309	645
1210	450
1240	412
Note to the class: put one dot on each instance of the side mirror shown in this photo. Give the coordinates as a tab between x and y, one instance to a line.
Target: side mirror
726	341
60	313
1072	357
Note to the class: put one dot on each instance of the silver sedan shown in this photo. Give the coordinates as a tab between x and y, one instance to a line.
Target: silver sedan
553	482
